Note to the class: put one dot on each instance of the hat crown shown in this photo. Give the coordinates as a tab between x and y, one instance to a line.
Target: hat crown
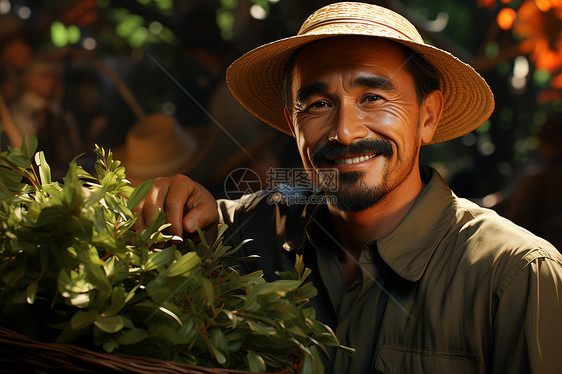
368	19
257	79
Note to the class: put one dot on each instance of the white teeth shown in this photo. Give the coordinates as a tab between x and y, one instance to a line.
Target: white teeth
353	160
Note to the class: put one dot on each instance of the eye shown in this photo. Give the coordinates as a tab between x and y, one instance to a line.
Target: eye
319	105
372	98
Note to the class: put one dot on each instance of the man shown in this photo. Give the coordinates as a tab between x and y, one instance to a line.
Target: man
417	280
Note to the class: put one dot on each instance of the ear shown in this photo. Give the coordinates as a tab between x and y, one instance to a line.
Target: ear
289	120
430	113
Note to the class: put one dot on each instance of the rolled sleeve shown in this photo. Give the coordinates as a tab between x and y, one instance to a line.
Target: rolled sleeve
528	320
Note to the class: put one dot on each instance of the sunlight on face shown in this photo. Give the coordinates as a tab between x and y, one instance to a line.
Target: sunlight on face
355	110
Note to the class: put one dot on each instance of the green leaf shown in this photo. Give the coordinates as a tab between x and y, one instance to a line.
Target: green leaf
80	300
10	179
220	345
18	160
138	193
158	220
95	196
117	301
111	324
218	356
13	276
31	291
171	314
83	319
23	147
312	363
32	146
202	237
158	260
256	363
110	346
97	276
208	291
132	336
185	265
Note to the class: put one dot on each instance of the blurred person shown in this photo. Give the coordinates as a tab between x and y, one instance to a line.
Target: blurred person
84	98
536	200
413	277
204	58
39	112
240	141
15	57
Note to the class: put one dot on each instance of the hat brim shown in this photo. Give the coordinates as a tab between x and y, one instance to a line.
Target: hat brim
196	145
256	81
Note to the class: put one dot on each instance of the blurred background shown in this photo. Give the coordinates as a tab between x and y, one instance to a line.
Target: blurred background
145	78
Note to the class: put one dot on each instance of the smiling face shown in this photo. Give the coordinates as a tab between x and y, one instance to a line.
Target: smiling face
355	109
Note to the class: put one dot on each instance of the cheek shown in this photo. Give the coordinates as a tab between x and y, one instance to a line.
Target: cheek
395	121
303	146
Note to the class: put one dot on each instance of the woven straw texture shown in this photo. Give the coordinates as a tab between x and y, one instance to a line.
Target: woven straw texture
256	79
20	354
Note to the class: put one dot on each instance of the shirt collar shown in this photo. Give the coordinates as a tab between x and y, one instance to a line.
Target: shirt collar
408	249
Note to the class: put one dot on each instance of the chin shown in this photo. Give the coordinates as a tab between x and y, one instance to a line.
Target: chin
358	198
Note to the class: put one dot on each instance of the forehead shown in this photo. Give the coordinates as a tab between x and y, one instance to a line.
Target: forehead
339	53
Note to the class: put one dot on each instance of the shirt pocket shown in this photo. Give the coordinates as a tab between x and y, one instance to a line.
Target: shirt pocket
404	360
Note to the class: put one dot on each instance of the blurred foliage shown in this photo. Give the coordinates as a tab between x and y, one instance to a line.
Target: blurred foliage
516	45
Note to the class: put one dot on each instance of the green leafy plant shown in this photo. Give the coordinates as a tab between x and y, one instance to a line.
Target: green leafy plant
73	270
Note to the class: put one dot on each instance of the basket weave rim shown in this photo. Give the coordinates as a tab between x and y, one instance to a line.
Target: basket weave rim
18	352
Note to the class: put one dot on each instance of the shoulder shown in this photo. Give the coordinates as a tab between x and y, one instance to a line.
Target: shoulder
497	246
487	229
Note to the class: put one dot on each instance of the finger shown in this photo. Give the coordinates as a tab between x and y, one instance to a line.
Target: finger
201	210
174	206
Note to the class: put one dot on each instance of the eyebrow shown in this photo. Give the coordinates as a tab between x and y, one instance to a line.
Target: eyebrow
374	81
305	92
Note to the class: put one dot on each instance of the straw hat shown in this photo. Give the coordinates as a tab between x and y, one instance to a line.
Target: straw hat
256	78
157	146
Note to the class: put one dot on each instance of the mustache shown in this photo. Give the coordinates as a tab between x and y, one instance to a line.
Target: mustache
331	150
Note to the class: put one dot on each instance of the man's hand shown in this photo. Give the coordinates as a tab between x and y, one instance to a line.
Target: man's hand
186	203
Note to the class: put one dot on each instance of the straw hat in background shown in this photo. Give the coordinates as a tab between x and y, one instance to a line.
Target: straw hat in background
157	146
256	78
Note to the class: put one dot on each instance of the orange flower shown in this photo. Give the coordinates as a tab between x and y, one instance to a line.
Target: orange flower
505	18
542	32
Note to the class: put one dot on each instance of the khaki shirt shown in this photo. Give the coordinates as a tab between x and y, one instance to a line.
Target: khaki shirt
455	288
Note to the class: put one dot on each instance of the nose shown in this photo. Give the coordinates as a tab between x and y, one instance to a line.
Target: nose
350	125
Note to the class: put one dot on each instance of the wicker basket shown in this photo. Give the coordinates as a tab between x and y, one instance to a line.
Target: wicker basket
20	354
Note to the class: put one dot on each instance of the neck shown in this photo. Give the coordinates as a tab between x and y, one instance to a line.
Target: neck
355	229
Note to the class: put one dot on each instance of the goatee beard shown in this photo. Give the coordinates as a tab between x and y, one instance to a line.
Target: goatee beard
352	194
357	196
